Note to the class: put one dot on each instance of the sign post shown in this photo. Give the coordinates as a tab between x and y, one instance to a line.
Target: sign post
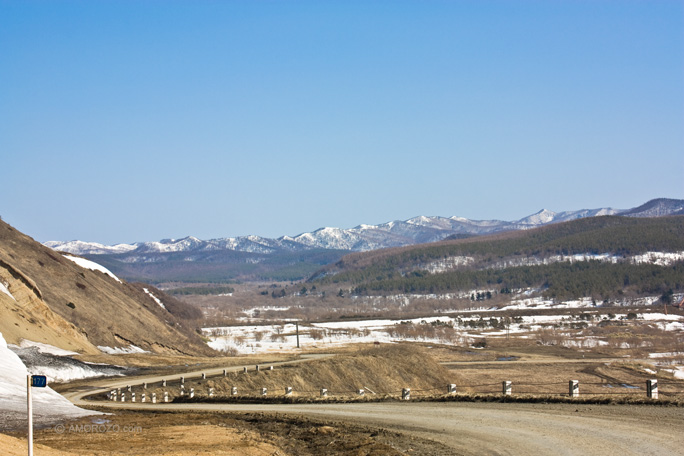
37	381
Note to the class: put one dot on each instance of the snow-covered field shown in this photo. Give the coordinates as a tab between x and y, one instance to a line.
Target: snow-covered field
461	329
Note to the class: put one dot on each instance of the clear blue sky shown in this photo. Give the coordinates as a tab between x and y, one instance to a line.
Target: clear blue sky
125	121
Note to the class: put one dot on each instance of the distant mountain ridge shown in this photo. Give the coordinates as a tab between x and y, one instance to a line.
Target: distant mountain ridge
417	230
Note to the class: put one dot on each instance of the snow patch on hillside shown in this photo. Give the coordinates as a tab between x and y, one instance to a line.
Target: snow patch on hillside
121	350
4	289
46	348
87	264
161	304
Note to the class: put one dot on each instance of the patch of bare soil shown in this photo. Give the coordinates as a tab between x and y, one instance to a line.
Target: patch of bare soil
181	434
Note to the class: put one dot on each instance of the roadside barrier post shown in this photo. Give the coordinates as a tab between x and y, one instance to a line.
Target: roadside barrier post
233	391
324	392
192	393
123	397
132	397
507	387
652	389
451	388
257	368
182	380
142	397
225	372
244	370
166	396
113	395
128	388
204	376
211	392
154	398
163	382
182	390
573	387
263	391
288	391
406	394
270	368
362	392
145	385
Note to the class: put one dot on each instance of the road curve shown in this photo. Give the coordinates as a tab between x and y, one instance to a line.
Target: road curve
478	428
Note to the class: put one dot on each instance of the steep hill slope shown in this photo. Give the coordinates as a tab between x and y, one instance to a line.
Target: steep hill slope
70	304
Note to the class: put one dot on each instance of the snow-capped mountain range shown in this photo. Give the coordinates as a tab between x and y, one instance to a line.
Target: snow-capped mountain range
416	230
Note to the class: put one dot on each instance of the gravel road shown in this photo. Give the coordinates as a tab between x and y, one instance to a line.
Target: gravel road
484	428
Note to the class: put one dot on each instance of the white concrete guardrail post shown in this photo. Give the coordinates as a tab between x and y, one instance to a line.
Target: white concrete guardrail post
451	388
233	391
145	385
132	397
406	394
142	397
182	380
507	387
211	392
573	388
192	393
225	372
263	391
244	370
123	397
204	376
257	368
164	383
652	388
154	398
166	396
288	391
324	392
270	368
361	392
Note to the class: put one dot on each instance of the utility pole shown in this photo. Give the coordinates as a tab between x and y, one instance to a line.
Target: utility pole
297	327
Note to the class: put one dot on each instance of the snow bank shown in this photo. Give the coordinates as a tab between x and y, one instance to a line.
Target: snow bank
57	364
48	405
87	264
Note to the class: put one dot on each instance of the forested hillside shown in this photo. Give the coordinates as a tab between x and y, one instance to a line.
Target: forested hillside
601	257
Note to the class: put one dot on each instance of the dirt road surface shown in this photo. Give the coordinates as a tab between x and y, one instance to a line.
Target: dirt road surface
478	428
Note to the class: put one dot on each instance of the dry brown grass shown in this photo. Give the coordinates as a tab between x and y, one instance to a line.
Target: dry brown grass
381	370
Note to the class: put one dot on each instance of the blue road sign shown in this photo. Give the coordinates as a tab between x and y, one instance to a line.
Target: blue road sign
38	381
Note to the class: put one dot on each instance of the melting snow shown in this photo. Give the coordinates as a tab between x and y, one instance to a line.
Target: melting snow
48	405
121	350
161	304
46	348
4	289
87	264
